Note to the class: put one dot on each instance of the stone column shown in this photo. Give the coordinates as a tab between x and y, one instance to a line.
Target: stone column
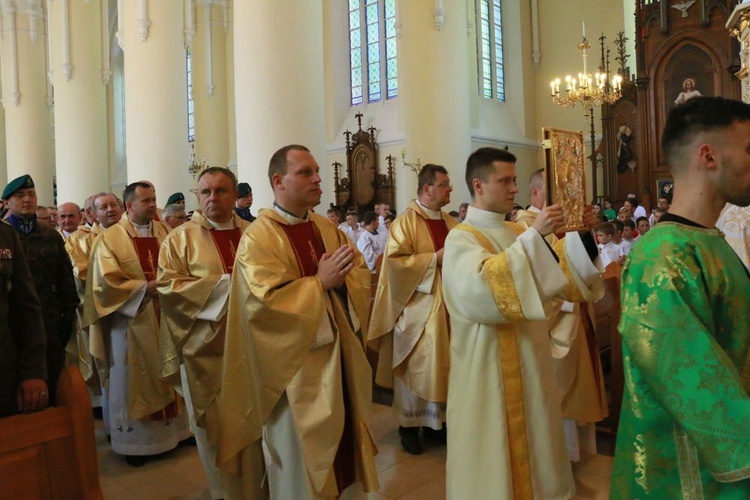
433	68
26	96
3	153
208	55
279	98
151	34
79	71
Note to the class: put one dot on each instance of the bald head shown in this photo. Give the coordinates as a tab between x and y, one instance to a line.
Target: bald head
69	216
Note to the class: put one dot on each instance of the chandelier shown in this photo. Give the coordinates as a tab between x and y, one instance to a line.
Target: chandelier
195	167
587	90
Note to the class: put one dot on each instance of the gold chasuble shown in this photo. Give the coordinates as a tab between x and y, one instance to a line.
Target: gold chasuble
289	339
578	370
78	245
501	286
115	274
192	260
420	354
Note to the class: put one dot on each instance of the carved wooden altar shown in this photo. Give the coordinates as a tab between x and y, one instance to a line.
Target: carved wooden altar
360	186
681	48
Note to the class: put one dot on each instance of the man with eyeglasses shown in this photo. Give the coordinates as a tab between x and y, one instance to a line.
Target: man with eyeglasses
50	267
195	268
409	325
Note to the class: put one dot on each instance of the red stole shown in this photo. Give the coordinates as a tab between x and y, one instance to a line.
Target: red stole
226	243
307	245
147	248
438	232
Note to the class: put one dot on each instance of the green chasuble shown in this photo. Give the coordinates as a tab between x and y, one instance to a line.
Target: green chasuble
685	422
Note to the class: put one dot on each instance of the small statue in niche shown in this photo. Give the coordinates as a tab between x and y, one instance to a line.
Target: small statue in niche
625	157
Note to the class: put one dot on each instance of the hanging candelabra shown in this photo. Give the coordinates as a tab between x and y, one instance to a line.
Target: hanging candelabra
587	90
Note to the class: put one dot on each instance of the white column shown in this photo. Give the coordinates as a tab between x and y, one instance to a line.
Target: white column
79	49
279	98
434	89
151	33
28	122
228	25
208	54
3	157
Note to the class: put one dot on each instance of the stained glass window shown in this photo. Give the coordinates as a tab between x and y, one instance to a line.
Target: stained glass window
490	62
372	50
190	103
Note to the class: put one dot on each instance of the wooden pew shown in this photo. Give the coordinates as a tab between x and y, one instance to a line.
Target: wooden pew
606	319
52	453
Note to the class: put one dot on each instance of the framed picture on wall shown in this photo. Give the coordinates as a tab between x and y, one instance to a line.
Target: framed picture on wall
566	181
664	188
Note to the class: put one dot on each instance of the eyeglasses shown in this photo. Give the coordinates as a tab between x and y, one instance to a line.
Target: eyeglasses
444	184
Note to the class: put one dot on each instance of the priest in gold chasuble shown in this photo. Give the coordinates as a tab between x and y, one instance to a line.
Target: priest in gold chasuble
409	325
296	386
575	352
195	266
121	310
107	212
501	283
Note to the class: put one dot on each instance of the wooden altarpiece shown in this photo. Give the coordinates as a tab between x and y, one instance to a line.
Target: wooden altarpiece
682	50
360	186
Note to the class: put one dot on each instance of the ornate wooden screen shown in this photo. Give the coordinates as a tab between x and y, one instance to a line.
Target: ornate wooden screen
360	186
682	50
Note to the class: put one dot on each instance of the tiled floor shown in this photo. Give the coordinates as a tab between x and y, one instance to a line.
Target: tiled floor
178	474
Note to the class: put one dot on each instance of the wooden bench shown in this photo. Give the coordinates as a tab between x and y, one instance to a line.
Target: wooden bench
52	453
606	319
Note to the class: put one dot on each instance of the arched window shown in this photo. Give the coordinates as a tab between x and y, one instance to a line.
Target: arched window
190	102
490	49
372	50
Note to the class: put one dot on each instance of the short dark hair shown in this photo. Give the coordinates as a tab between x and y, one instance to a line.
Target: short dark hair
369	217
617	223
639	219
699	114
632	200
220	170
427	175
479	164
333	211
606	227
628	223
352	212
278	162
129	194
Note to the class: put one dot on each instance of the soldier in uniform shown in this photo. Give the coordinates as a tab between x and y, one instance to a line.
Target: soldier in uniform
51	270
23	366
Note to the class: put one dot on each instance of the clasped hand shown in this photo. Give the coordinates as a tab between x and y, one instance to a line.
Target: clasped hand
334	267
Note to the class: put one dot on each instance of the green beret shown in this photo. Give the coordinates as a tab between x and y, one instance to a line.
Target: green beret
244	189
175	198
23	182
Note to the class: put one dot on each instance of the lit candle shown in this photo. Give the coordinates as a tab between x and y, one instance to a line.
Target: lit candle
552	88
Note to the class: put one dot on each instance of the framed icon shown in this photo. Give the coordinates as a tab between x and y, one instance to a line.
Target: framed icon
566	180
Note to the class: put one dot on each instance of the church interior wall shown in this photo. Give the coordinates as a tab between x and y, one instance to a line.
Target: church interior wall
517	122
